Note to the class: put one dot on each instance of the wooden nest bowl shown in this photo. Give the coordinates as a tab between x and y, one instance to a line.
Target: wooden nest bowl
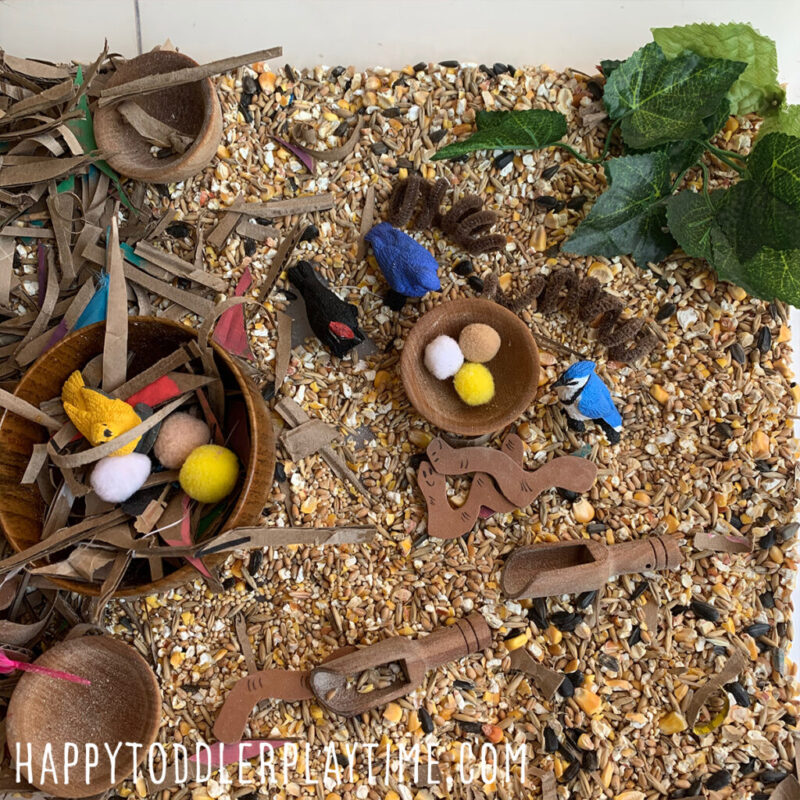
192	109
515	369
22	508
123	704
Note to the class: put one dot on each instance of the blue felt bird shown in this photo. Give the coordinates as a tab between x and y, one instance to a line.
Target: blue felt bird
585	397
409	268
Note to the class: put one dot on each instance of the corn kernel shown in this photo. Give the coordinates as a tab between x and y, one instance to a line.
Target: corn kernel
516	642
492	733
393	713
759	445
672	723
553	634
583	510
588	700
659	394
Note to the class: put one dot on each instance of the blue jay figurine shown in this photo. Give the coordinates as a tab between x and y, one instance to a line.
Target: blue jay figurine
584	396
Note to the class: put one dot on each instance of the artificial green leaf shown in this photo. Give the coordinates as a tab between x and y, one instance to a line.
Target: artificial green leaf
692	219
757	89
763	209
658	100
608	65
698	223
787	120
685	154
629	216
509	130
772	273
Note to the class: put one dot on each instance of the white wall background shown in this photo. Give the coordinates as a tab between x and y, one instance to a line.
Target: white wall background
576	33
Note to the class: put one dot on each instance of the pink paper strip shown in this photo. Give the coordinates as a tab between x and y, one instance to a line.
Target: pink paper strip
230	331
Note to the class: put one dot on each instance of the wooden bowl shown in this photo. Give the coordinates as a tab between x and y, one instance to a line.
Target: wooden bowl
149	339
515	368
192	108
123	704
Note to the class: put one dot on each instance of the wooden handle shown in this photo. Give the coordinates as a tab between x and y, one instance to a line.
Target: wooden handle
468	635
652	554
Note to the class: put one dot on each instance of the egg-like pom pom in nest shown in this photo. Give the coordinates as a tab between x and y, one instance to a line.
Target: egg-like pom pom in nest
116	478
479	342
180	434
474	384
209	473
443	357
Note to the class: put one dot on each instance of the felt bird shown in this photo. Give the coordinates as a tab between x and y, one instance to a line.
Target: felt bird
98	417
409	268
334	321
585	397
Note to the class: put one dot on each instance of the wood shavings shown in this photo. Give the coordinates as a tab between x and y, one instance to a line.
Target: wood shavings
115	342
283	350
307	438
337	153
733	666
546	679
284	208
179	77
244	643
367	219
179	268
24	409
295	416
279	261
256	231
153	130
721	543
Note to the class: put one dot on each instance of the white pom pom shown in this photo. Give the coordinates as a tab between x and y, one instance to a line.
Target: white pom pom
115	478
443	357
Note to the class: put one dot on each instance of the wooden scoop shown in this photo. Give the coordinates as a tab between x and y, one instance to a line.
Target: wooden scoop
330	684
545	570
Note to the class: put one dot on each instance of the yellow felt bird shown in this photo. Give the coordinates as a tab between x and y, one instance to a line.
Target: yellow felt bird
99	418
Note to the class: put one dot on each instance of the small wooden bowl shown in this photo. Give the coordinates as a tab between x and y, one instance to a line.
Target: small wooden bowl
515	368
192	108
123	704
149	339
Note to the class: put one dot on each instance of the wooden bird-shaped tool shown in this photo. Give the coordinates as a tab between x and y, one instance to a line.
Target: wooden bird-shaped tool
99	418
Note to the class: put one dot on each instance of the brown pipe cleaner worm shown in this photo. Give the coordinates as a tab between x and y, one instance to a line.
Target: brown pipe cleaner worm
465	223
624	338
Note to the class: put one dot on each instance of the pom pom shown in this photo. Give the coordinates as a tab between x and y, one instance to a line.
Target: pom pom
479	342
180	434
443	357
474	384
115	478
209	473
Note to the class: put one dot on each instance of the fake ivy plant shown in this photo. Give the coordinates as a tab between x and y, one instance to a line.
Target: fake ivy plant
668	101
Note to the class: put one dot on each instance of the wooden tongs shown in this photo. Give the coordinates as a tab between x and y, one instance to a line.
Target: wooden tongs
545	570
333	683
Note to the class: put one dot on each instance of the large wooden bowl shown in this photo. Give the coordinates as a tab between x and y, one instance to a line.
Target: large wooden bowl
515	368
149	339
192	108
123	704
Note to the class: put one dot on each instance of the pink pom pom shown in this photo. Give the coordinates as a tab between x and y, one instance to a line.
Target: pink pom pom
180	434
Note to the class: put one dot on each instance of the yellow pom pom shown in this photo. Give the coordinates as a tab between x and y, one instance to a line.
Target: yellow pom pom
209	473
474	384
